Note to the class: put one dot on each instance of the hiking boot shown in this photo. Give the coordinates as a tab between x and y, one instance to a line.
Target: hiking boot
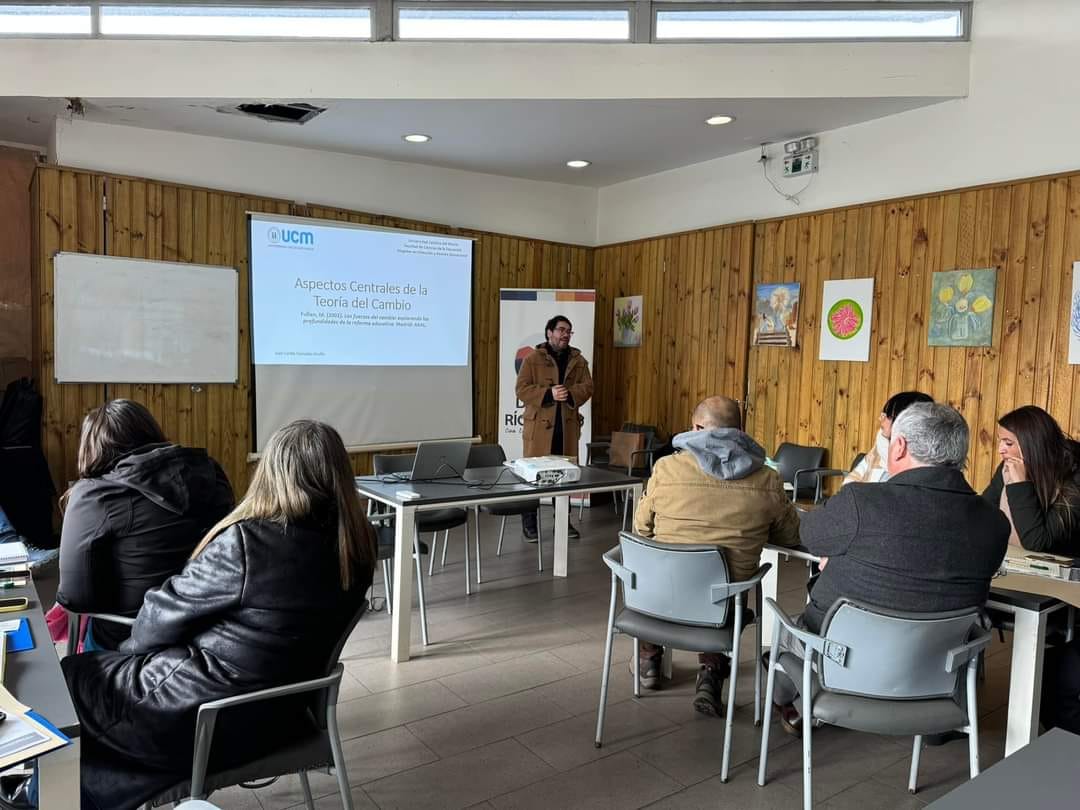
790	720
707	692
649	669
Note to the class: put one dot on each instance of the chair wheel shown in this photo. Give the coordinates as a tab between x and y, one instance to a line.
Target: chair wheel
723	781
912	792
597	745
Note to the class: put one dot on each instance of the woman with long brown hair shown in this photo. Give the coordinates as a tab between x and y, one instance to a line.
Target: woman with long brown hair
134	515
1037	484
263	601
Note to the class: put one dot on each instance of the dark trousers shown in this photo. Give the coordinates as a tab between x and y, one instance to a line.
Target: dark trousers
718	661
528	520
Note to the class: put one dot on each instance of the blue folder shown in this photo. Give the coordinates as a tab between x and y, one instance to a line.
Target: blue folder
20	639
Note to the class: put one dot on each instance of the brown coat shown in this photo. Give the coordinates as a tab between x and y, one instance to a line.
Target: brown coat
684	505
538	374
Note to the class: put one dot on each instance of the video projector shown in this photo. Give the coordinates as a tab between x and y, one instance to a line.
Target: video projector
545	471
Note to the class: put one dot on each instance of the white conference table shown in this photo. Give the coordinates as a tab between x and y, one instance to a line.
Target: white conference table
1029	599
480	487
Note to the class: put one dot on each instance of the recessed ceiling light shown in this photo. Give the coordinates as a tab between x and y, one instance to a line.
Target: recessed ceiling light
578	164
416	138
719	120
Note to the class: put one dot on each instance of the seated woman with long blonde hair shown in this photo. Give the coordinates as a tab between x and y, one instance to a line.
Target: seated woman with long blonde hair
263	601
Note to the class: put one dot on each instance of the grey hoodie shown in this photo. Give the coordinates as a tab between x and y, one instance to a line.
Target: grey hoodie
723	453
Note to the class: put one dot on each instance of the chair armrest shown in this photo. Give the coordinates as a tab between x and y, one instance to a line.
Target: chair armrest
73	627
719	593
811	640
591	445
650	452
959	656
613	560
206	719
819	473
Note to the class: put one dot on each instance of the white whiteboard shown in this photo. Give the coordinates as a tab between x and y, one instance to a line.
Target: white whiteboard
137	321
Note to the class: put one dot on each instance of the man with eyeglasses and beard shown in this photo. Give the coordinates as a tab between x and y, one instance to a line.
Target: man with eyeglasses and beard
553	383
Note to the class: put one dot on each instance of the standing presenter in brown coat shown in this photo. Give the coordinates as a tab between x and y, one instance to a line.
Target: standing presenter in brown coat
553	383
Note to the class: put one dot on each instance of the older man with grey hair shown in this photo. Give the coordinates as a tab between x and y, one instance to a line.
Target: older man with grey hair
923	541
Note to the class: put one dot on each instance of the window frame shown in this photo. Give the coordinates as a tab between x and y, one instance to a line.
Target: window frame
963	6
49	35
629	6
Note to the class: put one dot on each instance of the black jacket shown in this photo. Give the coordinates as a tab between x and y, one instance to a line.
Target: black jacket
1056	531
134	527
923	541
262	605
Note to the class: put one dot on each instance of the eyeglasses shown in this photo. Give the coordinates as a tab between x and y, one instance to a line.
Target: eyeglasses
562	330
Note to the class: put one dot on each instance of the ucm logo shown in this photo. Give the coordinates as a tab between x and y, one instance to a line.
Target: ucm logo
286	236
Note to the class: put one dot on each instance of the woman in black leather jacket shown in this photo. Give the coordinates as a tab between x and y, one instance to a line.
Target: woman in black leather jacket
264	599
134	516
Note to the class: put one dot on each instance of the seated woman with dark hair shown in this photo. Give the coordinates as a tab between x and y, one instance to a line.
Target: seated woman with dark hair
133	517
1037	487
1037	484
263	602
872	469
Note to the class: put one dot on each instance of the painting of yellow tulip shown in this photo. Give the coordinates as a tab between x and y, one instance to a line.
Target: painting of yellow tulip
962	308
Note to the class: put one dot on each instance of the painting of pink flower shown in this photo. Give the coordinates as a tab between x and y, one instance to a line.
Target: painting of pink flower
845	319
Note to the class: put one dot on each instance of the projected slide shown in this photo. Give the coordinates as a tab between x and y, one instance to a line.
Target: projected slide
325	295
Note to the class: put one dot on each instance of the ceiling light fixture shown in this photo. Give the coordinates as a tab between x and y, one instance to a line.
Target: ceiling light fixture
719	120
578	164
416	138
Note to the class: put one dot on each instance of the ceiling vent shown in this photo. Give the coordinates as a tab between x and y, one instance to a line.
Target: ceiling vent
287	113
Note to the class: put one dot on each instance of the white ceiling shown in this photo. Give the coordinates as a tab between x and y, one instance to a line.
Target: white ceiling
531	139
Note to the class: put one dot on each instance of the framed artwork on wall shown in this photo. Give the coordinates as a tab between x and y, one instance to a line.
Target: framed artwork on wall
776	314
846	309
962	308
628	312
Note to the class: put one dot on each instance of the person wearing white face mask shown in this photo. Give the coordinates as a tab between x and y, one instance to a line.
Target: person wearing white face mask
872	469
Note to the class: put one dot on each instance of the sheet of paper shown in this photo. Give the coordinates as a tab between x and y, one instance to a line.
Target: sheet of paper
22	737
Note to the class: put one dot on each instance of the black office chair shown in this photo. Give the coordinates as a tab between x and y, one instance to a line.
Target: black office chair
434	521
597	454
795	461
492	455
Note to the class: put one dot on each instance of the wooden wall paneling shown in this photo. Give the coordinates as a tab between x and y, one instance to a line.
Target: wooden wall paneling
66	216
1066	405
1065	384
983	399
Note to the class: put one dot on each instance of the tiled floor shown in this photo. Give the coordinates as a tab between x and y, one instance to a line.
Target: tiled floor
500	710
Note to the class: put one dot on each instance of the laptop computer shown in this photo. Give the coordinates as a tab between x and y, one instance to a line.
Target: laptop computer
435	460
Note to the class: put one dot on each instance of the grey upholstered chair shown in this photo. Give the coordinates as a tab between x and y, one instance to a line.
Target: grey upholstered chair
492	455
680	596
320	748
882	672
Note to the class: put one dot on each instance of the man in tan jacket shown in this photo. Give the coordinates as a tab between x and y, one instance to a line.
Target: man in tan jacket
715	489
553	383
